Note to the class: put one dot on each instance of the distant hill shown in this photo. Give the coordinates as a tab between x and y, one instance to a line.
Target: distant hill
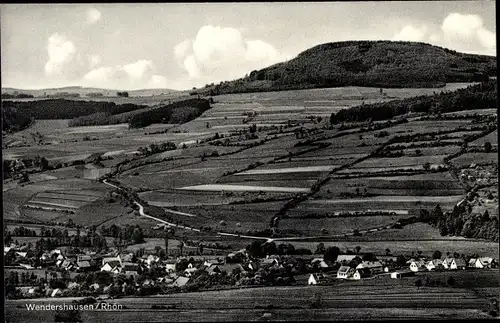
85	92
364	63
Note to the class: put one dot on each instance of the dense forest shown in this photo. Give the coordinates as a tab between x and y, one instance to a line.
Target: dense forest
462	222
480	96
177	112
364	63
18	115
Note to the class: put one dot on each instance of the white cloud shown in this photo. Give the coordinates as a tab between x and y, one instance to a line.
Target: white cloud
487	38
223	53
138	75
181	49
468	32
410	33
456	24
61	51
93	16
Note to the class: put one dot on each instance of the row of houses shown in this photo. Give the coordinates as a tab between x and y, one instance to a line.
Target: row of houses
450	263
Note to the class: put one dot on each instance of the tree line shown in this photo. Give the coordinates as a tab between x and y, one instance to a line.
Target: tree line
479	96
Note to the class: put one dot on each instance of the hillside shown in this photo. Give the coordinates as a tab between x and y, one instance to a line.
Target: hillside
364	63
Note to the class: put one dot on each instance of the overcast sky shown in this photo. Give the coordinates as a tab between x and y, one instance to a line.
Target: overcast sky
178	46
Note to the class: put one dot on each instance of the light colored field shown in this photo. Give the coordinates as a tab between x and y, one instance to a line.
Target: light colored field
288	170
242	188
491	138
98	129
400	161
365	170
432	199
467	159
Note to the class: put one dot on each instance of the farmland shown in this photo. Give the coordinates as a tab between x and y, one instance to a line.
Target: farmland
248	158
344	300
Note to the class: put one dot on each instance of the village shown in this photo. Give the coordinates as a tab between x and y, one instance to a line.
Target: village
69	272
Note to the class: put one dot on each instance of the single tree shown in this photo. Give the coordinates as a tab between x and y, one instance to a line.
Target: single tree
487	147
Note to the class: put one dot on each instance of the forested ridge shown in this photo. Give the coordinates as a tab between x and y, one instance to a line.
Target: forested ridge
364	63
19	115
479	96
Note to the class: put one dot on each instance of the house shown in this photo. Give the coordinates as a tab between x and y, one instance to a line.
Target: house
189	271
165	280
460	263
210	262
73	285
449	263
417	265
375	267
111	259
67	264
483	262
8	250
180	281
26	290
26	266
213	270
130	269
56	292
269	262
83	265
315	279
170	265
434	264
94	171
401	274
229	268
345	272
345	258
83	258
21	254
361	273
110	265
148	282
320	263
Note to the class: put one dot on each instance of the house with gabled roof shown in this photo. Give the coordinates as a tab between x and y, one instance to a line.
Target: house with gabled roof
315	279
345	272
374	267
417	265
361	273
434	264
180	281
320	262
482	262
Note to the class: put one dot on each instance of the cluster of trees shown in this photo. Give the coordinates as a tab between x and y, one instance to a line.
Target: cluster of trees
364	63
480	96
462	222
128	234
258	249
21	232
177	112
19	115
157	148
122	94
16	95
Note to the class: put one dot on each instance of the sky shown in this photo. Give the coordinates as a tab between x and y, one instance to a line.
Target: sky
180	46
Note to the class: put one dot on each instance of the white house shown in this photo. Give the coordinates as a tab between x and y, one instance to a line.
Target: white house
345	272
417	265
375	267
401	274
180	281
483	262
433	264
361	273
313	279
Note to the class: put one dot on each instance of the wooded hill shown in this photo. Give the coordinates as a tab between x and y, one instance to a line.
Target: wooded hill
479	96
19	115
364	63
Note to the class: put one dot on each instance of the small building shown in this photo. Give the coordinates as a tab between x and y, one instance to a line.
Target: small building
180	281
361	273
110	265
320	262
170	265
345	258
483	262
213	270
417	265
94	171
401	274
375	267
56	292
83	265
314	279
130	269
434	264
345	272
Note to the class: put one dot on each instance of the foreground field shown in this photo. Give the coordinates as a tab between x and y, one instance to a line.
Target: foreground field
376	299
